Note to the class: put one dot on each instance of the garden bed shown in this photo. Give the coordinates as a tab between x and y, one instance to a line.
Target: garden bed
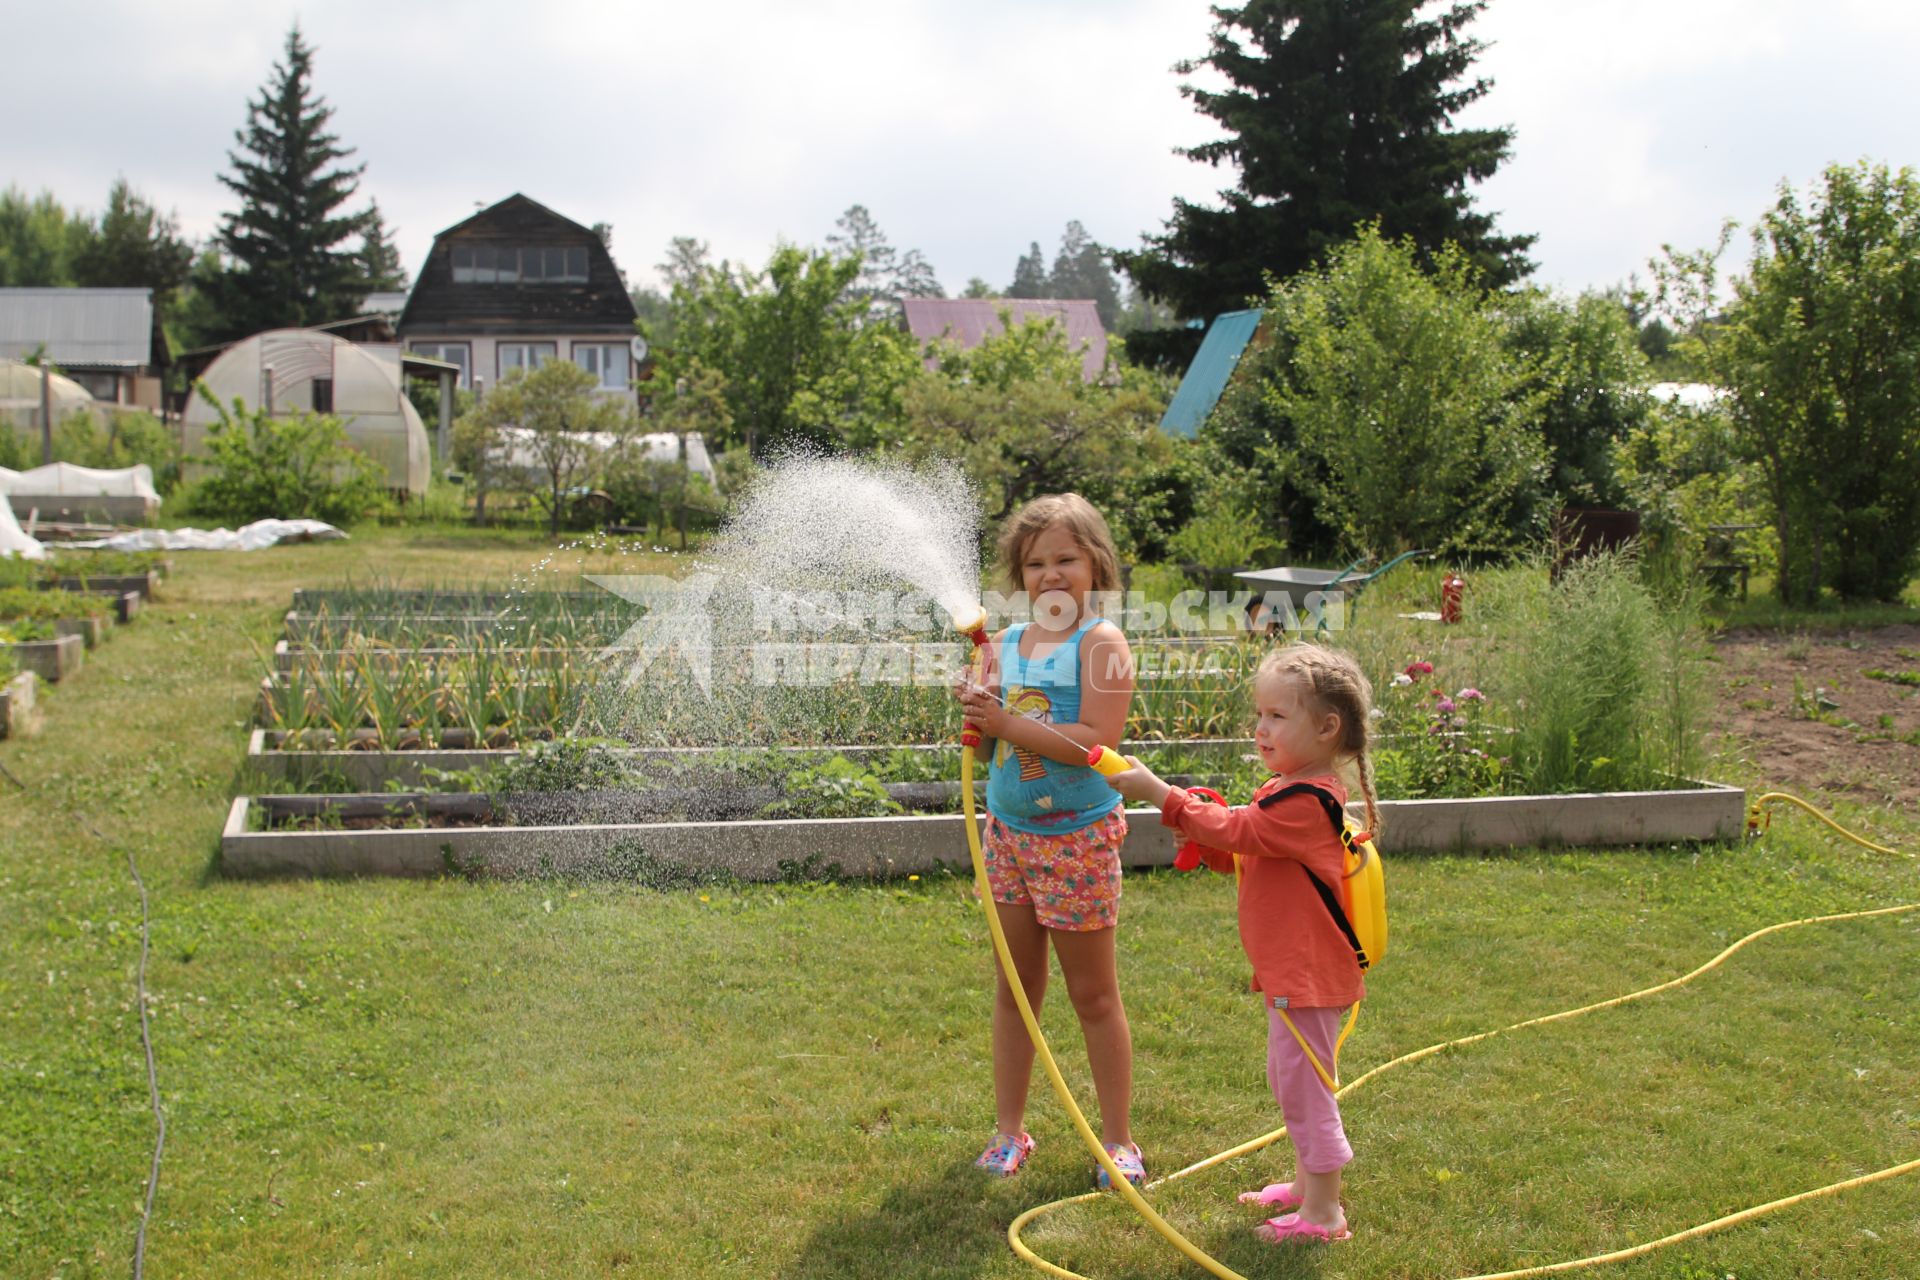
19	709
270	759
113	584
91	628
52	660
767	848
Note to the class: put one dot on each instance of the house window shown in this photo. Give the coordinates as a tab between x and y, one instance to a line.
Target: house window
606	361
524	355
453	353
534	264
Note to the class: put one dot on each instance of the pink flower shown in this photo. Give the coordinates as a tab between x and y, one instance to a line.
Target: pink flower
1471	695
1447	706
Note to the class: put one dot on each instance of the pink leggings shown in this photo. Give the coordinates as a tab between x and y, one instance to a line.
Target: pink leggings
1312	1115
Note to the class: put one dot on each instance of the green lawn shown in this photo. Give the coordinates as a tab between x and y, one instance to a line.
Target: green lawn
447	1079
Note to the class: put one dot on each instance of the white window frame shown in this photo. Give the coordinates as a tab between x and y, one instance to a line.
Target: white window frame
598	364
533	355
460	353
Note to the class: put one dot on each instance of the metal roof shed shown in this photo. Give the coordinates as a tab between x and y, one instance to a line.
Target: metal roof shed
109	340
967	322
1211	370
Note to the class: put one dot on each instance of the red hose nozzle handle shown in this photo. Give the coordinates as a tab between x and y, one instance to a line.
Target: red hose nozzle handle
1188	858
970	738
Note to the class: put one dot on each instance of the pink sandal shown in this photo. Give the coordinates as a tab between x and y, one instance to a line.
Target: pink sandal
1294	1229
1280	1193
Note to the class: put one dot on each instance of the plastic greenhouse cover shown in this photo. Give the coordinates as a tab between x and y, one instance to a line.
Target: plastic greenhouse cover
248	537
67	480
14	540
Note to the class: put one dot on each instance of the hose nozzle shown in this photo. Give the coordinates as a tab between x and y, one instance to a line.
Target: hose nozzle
972	623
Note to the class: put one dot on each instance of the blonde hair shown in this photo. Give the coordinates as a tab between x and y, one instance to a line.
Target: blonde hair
1088	527
1334	683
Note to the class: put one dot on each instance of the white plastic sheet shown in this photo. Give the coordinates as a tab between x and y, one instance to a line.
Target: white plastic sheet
248	537
14	540
66	480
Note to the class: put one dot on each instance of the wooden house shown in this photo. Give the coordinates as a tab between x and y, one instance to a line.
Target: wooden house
517	285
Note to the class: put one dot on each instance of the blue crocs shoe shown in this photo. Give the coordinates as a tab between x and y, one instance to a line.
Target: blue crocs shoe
1005	1154
1125	1155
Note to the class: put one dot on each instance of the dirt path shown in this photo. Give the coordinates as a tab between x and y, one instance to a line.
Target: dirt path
1809	716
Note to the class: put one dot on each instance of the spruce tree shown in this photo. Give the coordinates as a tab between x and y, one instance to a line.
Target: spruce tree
1080	271
290	262
136	245
1338	113
379	257
1029	275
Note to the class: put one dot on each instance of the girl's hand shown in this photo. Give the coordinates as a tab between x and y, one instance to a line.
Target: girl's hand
983	711
1139	783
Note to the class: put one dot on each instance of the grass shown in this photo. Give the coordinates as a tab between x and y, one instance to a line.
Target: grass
448	1079
1763	609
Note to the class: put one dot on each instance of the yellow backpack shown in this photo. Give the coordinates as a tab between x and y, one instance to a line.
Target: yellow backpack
1365	927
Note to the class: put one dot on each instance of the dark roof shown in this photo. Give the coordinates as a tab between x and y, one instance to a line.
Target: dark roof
439	306
1211	370
967	321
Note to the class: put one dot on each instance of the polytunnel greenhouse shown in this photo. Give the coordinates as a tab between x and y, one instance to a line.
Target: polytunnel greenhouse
293	370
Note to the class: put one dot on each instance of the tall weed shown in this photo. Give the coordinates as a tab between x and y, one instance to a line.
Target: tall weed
1597	670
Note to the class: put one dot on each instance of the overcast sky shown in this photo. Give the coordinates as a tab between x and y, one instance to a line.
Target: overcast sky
969	130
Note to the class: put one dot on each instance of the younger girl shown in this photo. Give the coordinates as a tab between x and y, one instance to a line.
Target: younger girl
1312	704
1055	688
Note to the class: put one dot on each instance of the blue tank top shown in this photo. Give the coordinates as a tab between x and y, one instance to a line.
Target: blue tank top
1030	792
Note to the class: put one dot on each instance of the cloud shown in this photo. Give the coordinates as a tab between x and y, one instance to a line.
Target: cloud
969	131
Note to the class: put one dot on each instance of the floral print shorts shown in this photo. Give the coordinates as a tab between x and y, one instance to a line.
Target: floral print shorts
1072	879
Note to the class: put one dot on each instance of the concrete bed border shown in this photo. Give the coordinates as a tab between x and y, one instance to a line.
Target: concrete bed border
19	711
757	848
52	660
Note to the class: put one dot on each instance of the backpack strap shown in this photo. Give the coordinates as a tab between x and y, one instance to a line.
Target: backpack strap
1338	816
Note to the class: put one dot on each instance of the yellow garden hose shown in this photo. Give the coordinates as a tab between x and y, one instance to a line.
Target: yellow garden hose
1755	823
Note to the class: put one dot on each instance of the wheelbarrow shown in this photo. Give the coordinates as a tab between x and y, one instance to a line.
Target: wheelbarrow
1279	592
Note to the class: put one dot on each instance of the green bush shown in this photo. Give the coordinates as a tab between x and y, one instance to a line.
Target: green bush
284	466
109	440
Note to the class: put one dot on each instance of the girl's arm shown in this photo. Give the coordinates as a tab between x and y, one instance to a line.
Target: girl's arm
1283	829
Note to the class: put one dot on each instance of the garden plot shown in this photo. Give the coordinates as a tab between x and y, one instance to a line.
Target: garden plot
425	749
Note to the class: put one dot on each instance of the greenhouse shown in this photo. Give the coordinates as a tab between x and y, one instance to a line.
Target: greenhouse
293	370
20	393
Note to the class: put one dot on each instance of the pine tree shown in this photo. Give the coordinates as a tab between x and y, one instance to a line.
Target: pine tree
1339	113
885	272
1029	275
287	263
